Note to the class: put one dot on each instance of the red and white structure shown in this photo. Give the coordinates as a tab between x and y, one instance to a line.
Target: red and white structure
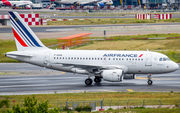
30	19
162	16
143	16
5	20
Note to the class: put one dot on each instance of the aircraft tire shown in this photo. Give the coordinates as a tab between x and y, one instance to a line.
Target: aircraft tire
88	81
149	82
97	79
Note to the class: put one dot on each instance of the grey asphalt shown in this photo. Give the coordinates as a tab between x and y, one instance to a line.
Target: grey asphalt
29	79
44	28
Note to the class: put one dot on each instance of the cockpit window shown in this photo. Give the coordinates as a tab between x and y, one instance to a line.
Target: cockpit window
164	59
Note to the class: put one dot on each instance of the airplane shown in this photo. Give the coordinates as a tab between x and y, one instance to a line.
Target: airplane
112	66
17	3
85	2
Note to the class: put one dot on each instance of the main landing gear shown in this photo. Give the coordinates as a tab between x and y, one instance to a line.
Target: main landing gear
97	79
149	80
89	81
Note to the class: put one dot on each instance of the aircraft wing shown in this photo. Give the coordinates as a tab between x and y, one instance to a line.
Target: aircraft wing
90	67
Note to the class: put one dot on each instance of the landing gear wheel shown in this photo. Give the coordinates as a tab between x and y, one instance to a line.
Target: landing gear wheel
149	82
88	81
97	79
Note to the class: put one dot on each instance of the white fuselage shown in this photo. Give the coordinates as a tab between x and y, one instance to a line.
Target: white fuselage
133	62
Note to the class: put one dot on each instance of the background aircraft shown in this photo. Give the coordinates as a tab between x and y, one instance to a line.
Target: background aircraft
17	3
85	2
113	66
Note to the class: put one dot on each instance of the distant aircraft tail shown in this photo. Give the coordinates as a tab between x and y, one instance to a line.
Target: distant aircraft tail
24	36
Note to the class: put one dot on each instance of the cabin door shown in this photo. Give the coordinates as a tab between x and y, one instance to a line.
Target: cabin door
47	58
148	59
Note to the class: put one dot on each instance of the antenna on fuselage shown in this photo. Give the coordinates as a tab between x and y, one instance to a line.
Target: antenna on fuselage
147	50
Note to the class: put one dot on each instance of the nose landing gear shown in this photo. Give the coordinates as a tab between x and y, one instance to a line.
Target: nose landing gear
149	80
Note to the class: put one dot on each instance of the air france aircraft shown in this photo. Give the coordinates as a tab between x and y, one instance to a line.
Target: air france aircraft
113	66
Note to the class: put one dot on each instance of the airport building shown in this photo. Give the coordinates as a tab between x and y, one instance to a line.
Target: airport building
150	3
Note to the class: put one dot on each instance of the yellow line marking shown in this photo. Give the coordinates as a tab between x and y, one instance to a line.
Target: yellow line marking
63	72
141	78
130	90
145	78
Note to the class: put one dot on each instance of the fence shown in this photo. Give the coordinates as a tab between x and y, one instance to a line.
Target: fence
105	104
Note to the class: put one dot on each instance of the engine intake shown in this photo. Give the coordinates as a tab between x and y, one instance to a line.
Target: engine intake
113	75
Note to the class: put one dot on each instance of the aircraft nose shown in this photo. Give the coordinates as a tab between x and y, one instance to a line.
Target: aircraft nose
176	66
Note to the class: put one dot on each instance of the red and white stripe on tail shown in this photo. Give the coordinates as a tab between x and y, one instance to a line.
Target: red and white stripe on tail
24	36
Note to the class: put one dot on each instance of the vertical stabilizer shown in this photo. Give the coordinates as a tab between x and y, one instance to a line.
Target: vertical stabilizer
24	36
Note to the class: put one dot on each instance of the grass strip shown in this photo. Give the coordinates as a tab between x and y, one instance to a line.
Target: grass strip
118	98
97	21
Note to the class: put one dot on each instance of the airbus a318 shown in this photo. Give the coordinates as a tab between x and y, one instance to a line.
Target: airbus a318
112	66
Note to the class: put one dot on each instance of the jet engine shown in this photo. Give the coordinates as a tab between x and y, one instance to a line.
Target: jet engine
113	75
130	76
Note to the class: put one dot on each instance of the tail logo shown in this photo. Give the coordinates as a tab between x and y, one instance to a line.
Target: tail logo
16	19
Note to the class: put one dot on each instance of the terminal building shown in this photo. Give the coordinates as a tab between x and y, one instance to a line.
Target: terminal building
152	3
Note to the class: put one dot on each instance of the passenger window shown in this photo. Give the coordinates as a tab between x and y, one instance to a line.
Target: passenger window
116	58
83	58
109	58
133	59
122	58
60	58
54	57
63	57
57	57
98	58
78	58
141	59
129	59
86	58
119	58
69	57
101	58
160	59
92	58
72	58
89	58
113	58
75	58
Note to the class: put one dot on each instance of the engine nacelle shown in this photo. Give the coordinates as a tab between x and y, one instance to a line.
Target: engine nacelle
113	75
130	76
